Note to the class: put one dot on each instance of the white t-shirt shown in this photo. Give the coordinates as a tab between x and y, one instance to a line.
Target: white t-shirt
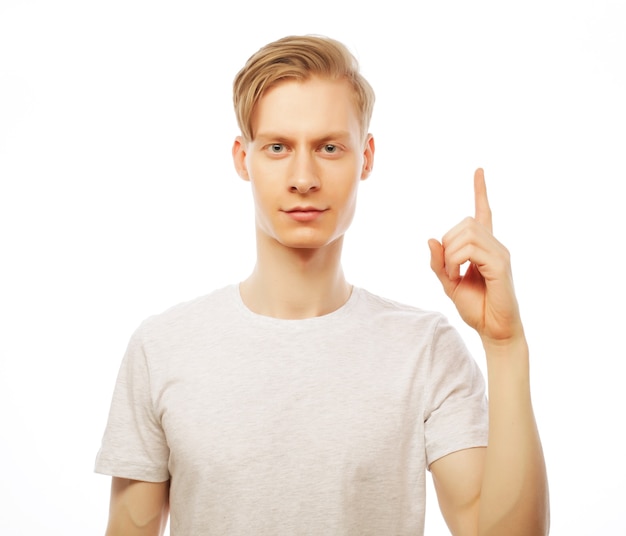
319	426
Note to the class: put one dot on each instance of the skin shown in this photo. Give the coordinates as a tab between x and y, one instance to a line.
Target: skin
308	152
138	508
502	489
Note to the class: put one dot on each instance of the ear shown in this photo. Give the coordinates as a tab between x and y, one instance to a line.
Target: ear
239	152
368	157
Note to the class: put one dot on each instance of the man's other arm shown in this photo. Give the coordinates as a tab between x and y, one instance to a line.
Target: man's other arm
138	508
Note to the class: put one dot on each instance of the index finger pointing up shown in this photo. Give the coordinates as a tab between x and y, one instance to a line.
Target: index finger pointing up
483	211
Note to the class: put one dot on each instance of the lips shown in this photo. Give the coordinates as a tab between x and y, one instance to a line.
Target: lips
304	214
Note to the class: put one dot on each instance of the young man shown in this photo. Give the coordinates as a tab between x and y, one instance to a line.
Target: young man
294	403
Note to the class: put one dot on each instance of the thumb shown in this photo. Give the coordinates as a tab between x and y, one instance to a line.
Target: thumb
437	264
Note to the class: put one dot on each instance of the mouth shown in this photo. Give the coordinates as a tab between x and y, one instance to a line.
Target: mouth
305	214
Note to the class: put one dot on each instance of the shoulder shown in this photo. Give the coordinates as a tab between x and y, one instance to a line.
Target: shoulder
397	320
388	310
191	315
400	326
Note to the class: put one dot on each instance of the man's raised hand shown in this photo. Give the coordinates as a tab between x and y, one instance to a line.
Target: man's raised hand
484	294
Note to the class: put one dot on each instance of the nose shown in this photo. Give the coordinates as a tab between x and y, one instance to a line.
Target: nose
303	177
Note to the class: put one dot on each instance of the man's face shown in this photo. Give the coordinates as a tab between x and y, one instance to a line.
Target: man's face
305	162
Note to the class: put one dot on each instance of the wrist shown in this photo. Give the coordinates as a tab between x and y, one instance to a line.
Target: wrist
507	361
513	342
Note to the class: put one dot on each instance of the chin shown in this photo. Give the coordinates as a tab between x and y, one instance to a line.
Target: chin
303	244
302	238
312	242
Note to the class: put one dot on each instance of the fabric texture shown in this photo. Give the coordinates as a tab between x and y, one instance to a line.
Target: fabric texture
318	426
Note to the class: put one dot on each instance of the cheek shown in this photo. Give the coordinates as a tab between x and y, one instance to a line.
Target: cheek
262	180
345	201
262	195
266	200
267	172
347	182
343	173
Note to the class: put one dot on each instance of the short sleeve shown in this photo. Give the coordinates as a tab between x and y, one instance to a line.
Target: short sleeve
456	409
134	444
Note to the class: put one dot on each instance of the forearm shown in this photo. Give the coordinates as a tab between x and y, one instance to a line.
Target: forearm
514	494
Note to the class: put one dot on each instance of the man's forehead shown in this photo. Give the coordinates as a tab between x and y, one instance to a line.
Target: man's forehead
321	107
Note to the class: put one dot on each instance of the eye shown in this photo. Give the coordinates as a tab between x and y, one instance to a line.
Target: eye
276	148
329	148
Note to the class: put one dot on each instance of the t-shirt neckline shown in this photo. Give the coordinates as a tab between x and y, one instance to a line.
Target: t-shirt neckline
333	316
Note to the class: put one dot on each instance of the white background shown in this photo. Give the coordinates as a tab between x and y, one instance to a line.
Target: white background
118	199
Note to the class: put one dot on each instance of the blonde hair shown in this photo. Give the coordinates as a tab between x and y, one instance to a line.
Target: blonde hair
298	58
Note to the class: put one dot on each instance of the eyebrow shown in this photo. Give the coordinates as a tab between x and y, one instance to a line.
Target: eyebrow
275	136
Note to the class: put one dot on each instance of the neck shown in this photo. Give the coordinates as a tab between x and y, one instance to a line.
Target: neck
295	283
